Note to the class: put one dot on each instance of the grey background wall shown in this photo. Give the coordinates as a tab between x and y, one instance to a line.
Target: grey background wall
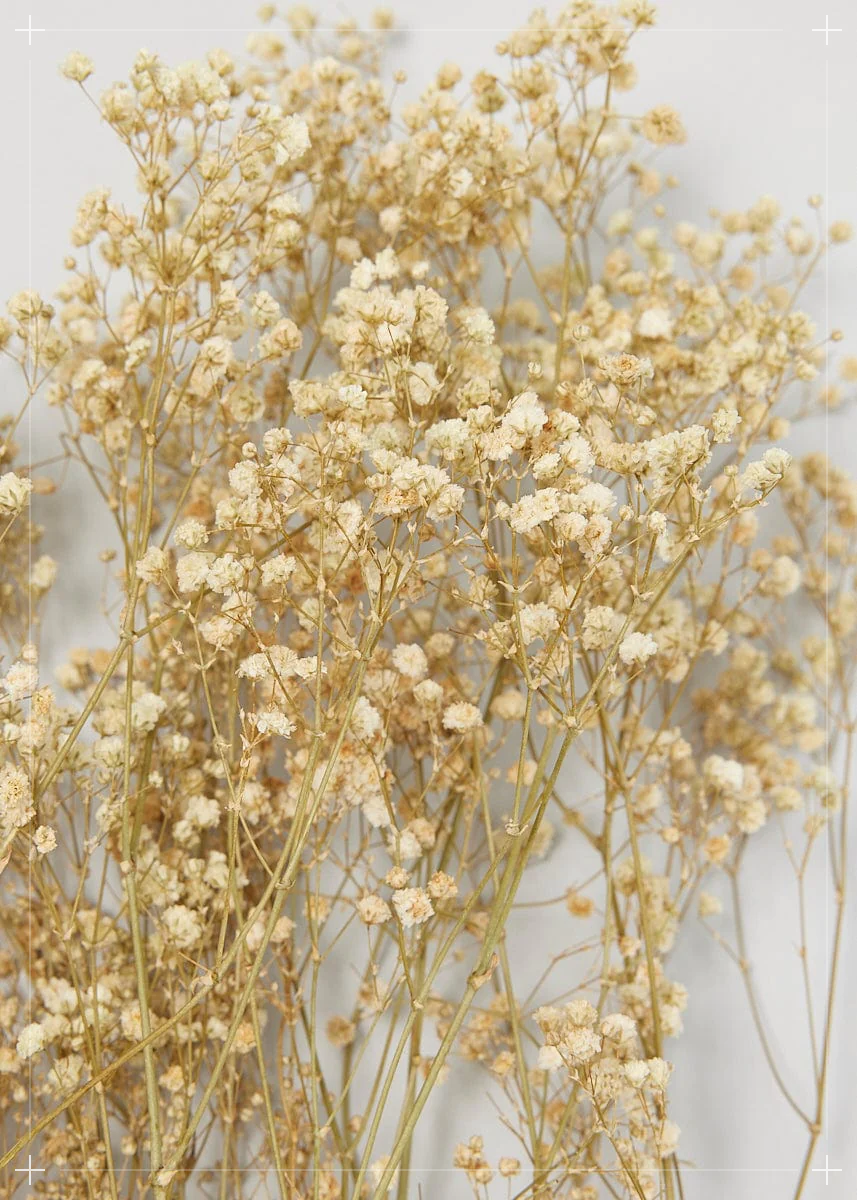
769	108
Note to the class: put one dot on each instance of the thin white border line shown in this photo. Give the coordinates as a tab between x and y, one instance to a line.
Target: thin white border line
828	839
406	29
528	1169
30	523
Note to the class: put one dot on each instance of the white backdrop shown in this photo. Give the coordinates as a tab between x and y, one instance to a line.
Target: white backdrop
769	108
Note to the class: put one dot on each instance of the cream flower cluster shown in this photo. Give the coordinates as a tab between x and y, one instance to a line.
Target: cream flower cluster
454	544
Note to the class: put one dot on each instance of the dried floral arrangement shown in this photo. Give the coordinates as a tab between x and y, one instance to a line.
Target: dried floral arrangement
436	542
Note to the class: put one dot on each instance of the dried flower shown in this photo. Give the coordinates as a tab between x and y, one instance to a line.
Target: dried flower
412	906
454	575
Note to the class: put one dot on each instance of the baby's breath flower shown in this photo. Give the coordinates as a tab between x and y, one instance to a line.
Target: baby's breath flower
601	625
77	66
724	422
191	534
637	648
291	139
192	571
526	514
14	493
461	717
410	660
15	798
413	906
264	310
373	910
636	1071
429	696
655	323
340	1031
153	565
182	926
146	710
20	680
767	472
478	326
31	1040
537	621
442	886
723	773
272	721
625	369
45	839
44	573
663	127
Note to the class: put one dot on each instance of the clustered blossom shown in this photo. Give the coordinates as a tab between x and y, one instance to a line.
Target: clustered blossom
413	906
637	648
14	493
462	717
439	564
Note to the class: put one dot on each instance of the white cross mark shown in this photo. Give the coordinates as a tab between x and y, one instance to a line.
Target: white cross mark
826	1170
827	30
29	1170
30	29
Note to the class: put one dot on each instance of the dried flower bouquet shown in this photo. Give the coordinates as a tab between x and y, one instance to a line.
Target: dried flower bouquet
432	546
